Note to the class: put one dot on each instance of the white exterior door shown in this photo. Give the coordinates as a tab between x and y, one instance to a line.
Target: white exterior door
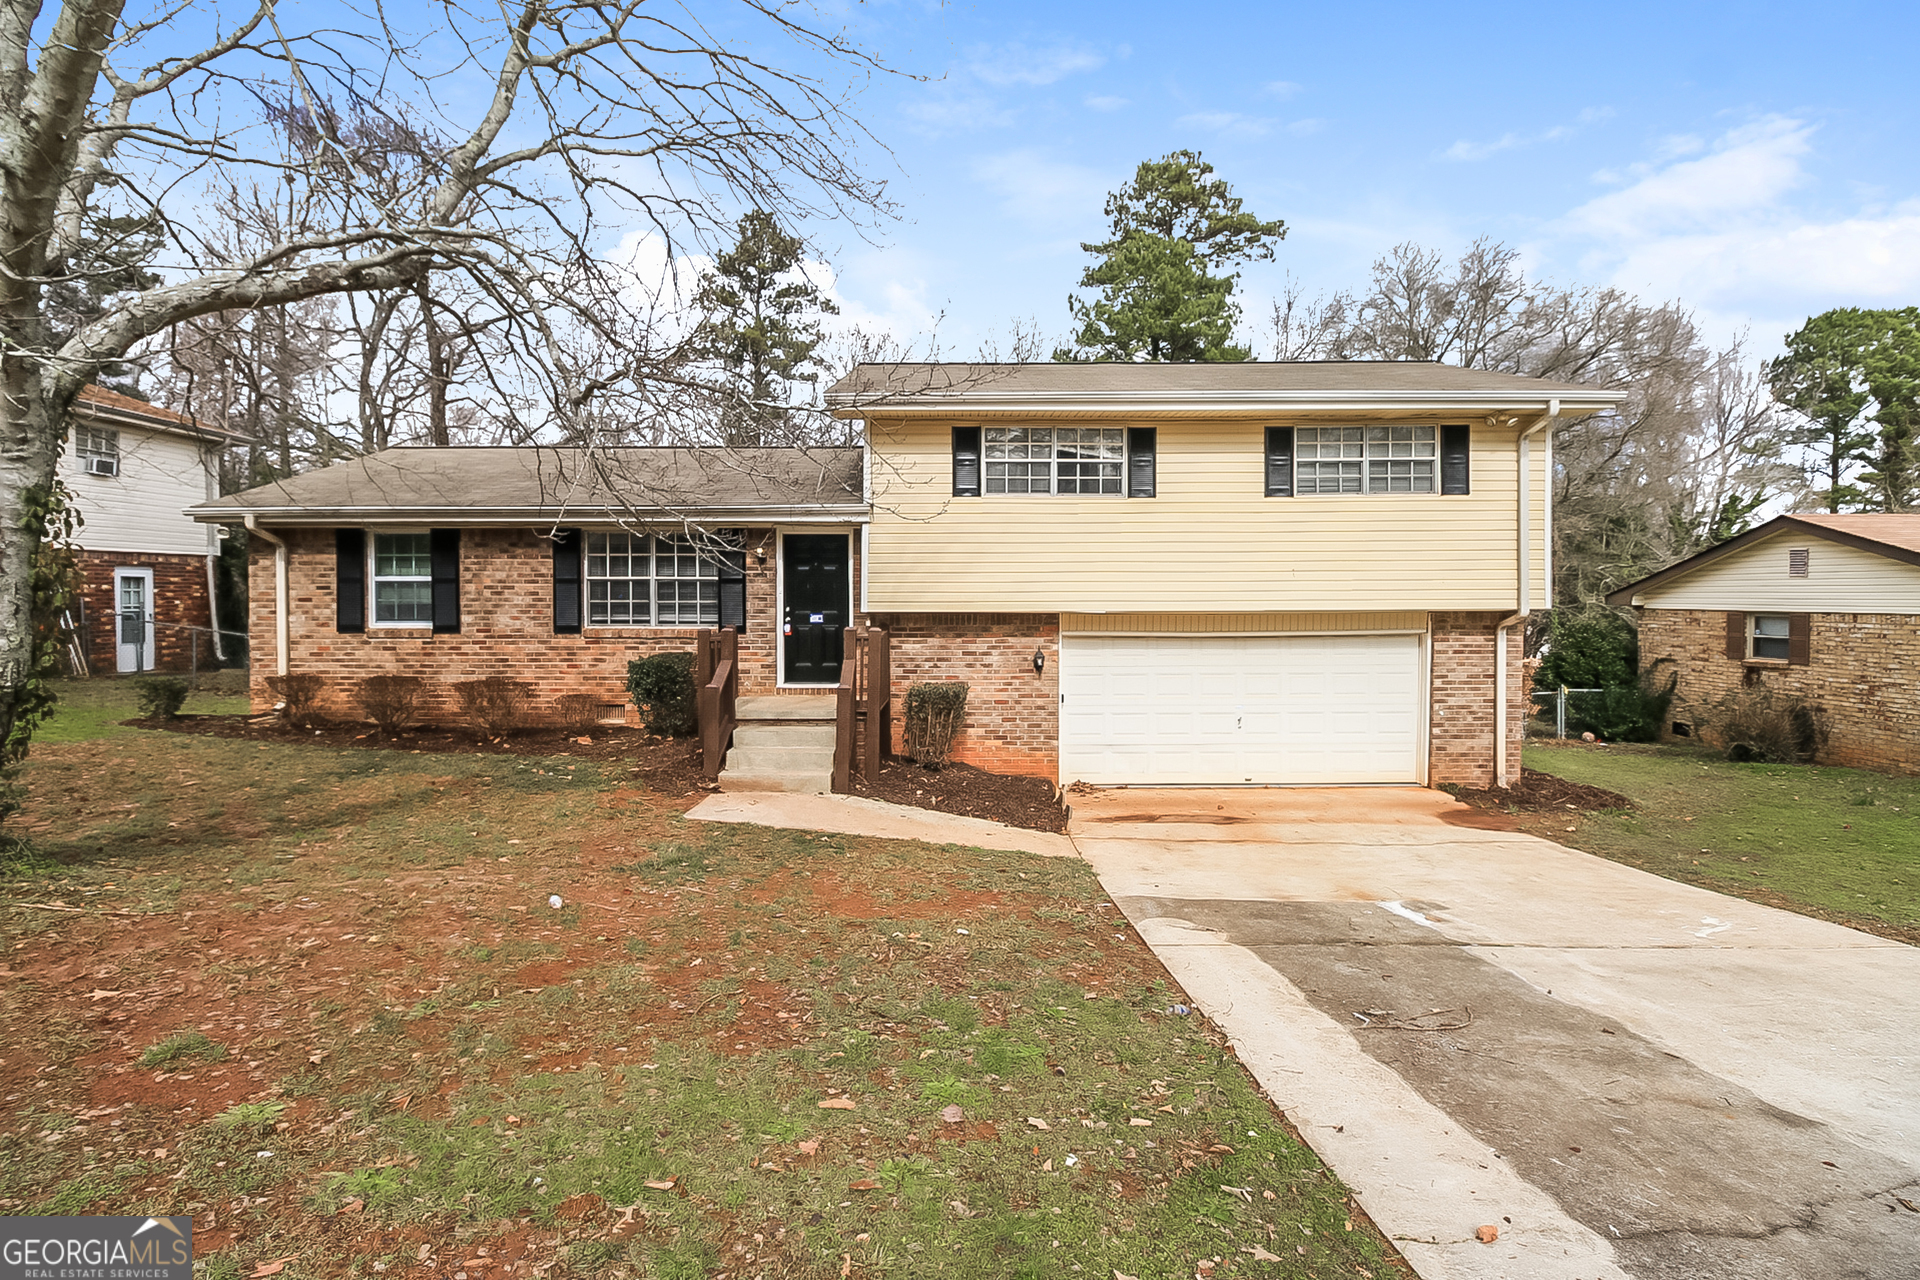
1241	709
133	619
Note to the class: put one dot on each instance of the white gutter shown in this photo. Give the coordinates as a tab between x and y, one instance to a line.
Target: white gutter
282	625
1137	403
1502	769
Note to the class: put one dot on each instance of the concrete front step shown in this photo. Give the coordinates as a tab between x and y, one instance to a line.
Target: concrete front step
815	784
803	733
773	708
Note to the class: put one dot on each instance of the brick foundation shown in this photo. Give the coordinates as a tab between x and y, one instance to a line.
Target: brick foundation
1461	743
1013	714
179	600
506	629
1861	672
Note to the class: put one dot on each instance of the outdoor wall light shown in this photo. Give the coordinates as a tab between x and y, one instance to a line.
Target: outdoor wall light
1039	661
760	554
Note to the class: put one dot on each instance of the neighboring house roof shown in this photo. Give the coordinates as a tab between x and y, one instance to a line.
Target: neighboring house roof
1897	537
1250	387
96	404
534	483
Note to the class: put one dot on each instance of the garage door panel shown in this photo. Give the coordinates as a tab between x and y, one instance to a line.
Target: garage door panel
1218	709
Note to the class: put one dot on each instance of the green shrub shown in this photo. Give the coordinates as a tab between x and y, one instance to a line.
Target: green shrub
662	687
934	713
1592	648
1759	725
391	701
494	705
160	697
1626	713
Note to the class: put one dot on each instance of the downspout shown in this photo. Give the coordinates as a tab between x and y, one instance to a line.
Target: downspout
1502	769
282	625
213	613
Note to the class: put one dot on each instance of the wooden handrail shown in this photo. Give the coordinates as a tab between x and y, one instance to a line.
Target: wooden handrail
863	721
716	666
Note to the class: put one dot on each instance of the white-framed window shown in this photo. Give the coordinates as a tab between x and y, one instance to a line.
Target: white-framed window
1768	635
98	450
402	579
1073	460
638	580
1387	458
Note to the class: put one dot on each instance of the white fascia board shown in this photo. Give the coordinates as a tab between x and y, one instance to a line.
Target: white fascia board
1245	402
469	517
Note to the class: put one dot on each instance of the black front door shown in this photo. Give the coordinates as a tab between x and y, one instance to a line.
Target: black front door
815	583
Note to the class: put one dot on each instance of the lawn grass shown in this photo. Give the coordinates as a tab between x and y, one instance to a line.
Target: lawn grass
1841	844
89	710
430	1067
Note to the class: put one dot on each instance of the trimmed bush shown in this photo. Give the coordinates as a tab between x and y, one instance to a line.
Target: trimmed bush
160	697
494	705
1758	725
933	716
1627	713
391	701
662	687
301	695
577	712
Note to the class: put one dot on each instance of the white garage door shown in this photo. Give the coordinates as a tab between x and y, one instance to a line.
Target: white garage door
1239	709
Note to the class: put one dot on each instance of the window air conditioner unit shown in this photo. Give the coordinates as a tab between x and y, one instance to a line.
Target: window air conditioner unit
103	466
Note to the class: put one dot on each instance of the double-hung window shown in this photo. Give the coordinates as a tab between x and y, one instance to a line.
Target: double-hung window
1070	460
1391	458
1770	636
402	578
636	580
98	450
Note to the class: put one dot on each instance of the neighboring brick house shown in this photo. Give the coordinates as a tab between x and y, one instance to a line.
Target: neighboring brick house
1257	573
1820	607
146	597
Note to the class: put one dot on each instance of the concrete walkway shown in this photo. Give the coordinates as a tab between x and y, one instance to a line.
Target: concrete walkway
859	816
1628	1076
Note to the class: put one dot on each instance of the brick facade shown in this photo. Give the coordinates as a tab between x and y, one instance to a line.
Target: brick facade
1861	672
1460	710
179	600
1013	713
506	628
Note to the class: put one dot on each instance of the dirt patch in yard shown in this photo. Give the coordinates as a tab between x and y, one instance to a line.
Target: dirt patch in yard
1033	803
1539	793
669	764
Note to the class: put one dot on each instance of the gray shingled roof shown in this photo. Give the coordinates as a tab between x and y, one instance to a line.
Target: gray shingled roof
1355	383
500	485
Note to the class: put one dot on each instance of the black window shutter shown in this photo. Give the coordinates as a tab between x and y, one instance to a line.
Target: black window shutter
566	582
1142	443
733	590
1456	444
1799	639
350	581
1279	462
445	545
966	462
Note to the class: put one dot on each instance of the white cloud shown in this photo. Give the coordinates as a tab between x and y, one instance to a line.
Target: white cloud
1017	63
954	111
1468	150
1281	89
1037	188
1747	172
1307	127
1106	102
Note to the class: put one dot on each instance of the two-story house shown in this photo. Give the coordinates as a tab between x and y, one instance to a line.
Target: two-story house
1249	573
147	568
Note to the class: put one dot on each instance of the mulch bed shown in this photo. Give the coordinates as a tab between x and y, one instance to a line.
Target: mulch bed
1032	803
669	765
1540	793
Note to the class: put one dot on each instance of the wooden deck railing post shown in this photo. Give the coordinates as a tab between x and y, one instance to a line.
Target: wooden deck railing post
879	688
716	668
843	727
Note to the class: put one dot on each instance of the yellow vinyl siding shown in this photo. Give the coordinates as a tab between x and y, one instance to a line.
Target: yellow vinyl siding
1239	623
1840	579
1211	542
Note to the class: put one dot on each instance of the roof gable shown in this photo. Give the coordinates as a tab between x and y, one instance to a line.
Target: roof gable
1892	540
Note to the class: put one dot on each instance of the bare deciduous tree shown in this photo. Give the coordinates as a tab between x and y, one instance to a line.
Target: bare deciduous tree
564	122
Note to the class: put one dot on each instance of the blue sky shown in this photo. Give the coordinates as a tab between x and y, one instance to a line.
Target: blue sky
1756	162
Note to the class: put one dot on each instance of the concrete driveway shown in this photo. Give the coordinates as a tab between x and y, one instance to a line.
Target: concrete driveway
1627	1076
